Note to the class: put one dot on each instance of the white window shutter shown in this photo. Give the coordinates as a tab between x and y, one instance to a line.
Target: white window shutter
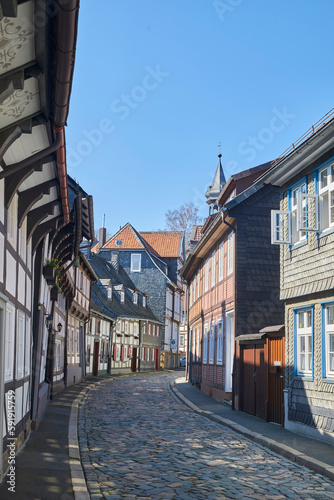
280	227
307	212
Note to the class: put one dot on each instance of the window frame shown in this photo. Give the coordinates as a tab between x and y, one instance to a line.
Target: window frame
212	343
206	274
213	268
221	261
328	189
205	345
306	332
230	253
135	267
296	235
220	342
327	330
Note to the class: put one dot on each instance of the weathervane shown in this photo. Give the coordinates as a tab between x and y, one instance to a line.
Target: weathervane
219	146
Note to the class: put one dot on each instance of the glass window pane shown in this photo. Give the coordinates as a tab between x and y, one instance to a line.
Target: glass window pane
302	361
302	344
308	318
309	358
301	320
330	315
331	362
309	343
323	178
331	342
332	171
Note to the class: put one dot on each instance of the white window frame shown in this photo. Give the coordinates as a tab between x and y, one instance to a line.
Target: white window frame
328	351
135	298
212	343
221	261
308	212
23	240
135	263
281	227
109	292
126	328
27	348
304	342
206	275
213	268
297	236
122	296
326	192
135	329
198	283
144	301
198	344
9	342
205	345
230	253
118	326
220	342
20	329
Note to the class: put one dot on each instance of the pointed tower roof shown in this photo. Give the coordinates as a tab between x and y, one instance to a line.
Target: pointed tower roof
218	183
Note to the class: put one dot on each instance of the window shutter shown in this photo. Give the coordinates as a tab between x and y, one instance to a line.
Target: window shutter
307	212
280	227
115	352
122	353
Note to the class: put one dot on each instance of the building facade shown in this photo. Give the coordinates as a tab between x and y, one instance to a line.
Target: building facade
304	230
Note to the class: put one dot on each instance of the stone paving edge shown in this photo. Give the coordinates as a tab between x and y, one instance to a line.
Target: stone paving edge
281	449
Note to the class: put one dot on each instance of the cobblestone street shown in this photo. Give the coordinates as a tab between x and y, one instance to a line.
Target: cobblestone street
137	441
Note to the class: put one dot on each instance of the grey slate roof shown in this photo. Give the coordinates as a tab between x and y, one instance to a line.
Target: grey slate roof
114	308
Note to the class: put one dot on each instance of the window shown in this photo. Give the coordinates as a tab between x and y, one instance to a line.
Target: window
135	298
220	343
304	342
194	289
144	301
20	345
205	345
221	261
126	328
153	327
328	342
135	329
296	235
181	340
109	292
158	331
212	343
143	353
213	268
198	283
118	327
230	253
9	342
135	262
326	193
280	227
206	275
27	348
149	329
191	294
23	240
197	345
97	325
12	221
307	212
144	327
122	297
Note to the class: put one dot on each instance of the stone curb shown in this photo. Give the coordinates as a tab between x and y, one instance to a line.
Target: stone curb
279	448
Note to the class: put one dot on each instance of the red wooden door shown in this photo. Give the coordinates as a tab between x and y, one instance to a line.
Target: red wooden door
134	359
157	359
96	357
276	353
248	380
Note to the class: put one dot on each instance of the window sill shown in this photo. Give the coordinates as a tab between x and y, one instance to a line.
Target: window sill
298	245
328	380
325	232
304	378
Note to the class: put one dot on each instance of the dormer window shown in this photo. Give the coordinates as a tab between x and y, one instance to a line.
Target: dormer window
122	297
144	301
135	298
109	291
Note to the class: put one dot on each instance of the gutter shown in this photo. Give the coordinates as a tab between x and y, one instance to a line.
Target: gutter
62	174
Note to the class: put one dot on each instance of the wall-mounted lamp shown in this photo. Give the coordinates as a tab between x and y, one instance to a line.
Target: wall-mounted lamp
49	321
59	327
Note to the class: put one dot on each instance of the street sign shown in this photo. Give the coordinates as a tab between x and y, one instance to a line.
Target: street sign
172	342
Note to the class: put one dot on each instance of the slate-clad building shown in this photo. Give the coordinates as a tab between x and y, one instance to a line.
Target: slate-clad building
233	278
124	335
153	261
303	229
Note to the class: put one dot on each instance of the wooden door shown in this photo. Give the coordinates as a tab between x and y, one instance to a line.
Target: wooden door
96	357
276	354
134	359
253	380
157	359
248	379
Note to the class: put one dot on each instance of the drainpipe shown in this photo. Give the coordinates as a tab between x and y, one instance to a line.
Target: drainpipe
224	212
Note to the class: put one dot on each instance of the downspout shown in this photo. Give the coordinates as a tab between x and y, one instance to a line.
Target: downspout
224	211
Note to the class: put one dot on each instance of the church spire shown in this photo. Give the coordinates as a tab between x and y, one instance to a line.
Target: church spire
214	190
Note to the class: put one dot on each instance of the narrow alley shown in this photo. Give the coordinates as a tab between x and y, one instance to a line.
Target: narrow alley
138	441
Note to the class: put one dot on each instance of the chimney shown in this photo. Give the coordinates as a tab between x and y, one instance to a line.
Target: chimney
102	233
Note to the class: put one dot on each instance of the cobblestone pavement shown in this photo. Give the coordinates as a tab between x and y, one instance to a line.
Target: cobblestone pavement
137	442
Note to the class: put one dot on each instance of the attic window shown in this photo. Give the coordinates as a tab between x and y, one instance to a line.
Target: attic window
122	297
135	298
144	301
118	243
109	290
135	262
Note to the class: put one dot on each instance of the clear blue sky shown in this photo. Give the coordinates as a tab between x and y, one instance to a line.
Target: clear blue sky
159	83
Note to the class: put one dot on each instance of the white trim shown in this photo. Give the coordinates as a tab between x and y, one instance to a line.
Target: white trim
307	212
280	227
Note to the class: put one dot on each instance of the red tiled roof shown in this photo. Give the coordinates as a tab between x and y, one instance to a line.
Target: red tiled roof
164	244
95	247
125	238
